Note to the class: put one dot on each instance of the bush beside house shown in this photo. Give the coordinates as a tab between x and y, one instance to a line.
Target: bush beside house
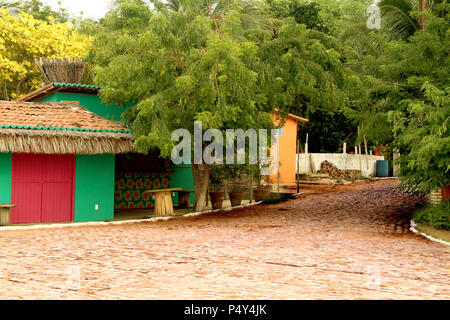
437	216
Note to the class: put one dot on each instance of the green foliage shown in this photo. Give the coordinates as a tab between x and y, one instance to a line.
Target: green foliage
304	71
437	216
329	16
396	18
44	12
423	137
180	66
420	122
405	101
9	4
322	87
228	63
189	64
216	177
303	12
327	130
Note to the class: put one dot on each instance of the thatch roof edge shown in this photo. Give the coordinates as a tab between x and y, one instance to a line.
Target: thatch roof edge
64	142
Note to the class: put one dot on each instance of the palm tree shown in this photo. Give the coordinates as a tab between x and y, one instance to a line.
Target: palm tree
252	12
396	19
396	22
423	4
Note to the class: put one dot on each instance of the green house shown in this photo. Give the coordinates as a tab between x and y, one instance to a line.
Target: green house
109	176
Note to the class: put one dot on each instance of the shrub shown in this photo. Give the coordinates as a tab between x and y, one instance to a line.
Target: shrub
437	216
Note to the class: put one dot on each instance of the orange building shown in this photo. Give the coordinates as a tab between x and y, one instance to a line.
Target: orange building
286	151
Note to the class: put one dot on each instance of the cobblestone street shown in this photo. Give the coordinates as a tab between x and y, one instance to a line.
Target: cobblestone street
349	243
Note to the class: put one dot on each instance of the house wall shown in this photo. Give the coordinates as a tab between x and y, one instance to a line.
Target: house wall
181	177
287	151
91	102
130	187
94	185
310	162
5	177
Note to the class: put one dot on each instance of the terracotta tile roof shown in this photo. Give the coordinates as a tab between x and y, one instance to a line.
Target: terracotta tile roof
61	116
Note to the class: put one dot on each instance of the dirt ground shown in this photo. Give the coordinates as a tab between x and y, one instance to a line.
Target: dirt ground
334	242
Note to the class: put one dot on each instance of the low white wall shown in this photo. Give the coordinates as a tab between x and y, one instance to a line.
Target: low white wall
310	162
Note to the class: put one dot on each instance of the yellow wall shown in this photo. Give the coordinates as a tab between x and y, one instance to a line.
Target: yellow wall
287	152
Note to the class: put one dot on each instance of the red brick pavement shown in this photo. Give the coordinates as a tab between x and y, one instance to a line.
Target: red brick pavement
352	243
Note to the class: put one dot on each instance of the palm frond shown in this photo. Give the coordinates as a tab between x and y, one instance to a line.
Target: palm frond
253	15
252	12
362	39
172	5
396	20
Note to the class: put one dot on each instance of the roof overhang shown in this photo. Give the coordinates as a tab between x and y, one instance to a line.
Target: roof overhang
290	116
59	128
55	87
297	118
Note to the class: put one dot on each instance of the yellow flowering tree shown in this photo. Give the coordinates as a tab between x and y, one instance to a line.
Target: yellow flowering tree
23	39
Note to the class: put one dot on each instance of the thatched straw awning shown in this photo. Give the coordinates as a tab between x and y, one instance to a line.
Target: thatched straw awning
59	128
60	142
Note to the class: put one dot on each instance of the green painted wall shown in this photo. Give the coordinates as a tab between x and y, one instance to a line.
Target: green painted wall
91	102
94	184
181	177
5	177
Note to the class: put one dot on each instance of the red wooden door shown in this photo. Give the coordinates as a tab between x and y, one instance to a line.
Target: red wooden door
42	188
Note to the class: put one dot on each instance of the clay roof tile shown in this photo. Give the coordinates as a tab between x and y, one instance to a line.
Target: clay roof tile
54	116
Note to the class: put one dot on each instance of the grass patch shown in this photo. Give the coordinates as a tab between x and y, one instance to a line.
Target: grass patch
435	233
437	216
367	178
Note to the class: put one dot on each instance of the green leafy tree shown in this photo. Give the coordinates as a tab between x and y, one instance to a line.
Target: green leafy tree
329	16
422	119
406	100
396	17
423	137
330	89
9	4
378	58
42	11
303	12
306	74
180	66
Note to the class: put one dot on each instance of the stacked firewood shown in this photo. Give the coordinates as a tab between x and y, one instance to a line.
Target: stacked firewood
331	170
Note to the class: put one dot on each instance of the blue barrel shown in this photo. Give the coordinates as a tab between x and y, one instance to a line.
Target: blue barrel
382	168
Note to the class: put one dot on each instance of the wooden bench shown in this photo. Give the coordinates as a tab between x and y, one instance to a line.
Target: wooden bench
163	201
5	213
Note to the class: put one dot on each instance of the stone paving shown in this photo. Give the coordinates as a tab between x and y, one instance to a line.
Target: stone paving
351	242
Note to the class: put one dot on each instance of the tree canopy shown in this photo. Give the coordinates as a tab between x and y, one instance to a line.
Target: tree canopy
230	63
406	101
25	38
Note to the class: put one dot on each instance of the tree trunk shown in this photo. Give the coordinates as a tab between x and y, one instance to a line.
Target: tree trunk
5	92
423	4
200	173
19	87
